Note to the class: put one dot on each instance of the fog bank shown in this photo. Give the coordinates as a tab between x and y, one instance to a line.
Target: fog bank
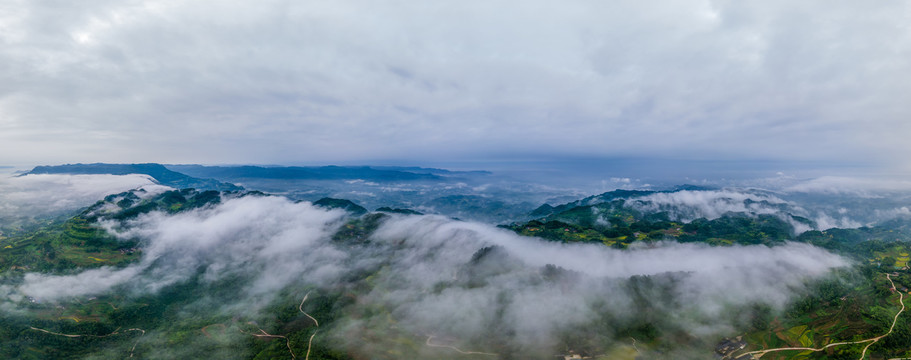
440	277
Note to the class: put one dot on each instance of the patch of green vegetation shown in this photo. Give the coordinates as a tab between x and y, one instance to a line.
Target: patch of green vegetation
612	223
61	246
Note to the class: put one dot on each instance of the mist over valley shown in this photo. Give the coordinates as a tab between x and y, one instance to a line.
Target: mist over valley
251	272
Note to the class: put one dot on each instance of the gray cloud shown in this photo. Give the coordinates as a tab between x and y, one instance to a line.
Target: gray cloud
267	81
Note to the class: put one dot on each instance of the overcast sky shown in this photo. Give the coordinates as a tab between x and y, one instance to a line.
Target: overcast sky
428	81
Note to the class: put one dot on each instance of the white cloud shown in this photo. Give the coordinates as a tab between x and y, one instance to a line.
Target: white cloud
825	222
840	185
887	214
433	250
422	273
690	205
267	234
88	282
48	194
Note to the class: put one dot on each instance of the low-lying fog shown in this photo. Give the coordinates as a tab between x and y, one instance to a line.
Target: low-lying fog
438	276
433	276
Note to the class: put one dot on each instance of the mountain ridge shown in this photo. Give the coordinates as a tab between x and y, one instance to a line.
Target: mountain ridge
158	172
331	172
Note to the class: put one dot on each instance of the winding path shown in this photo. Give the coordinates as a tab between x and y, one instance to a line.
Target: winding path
117	331
901	300
264	334
301	308
309	343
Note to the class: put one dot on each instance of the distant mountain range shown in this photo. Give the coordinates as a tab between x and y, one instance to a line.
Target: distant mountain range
358	184
161	174
235	173
368	185
222	177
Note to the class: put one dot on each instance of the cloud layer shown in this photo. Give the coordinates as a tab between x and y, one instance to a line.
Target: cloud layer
439	277
23	197
268	81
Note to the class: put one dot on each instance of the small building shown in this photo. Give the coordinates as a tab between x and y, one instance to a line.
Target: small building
727	347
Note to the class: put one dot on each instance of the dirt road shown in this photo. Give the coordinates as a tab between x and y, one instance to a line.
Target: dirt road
901	300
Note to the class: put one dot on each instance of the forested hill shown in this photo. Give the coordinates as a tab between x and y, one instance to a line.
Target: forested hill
161	174
622	218
547	209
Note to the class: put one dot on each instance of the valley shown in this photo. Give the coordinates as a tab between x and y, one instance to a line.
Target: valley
246	274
